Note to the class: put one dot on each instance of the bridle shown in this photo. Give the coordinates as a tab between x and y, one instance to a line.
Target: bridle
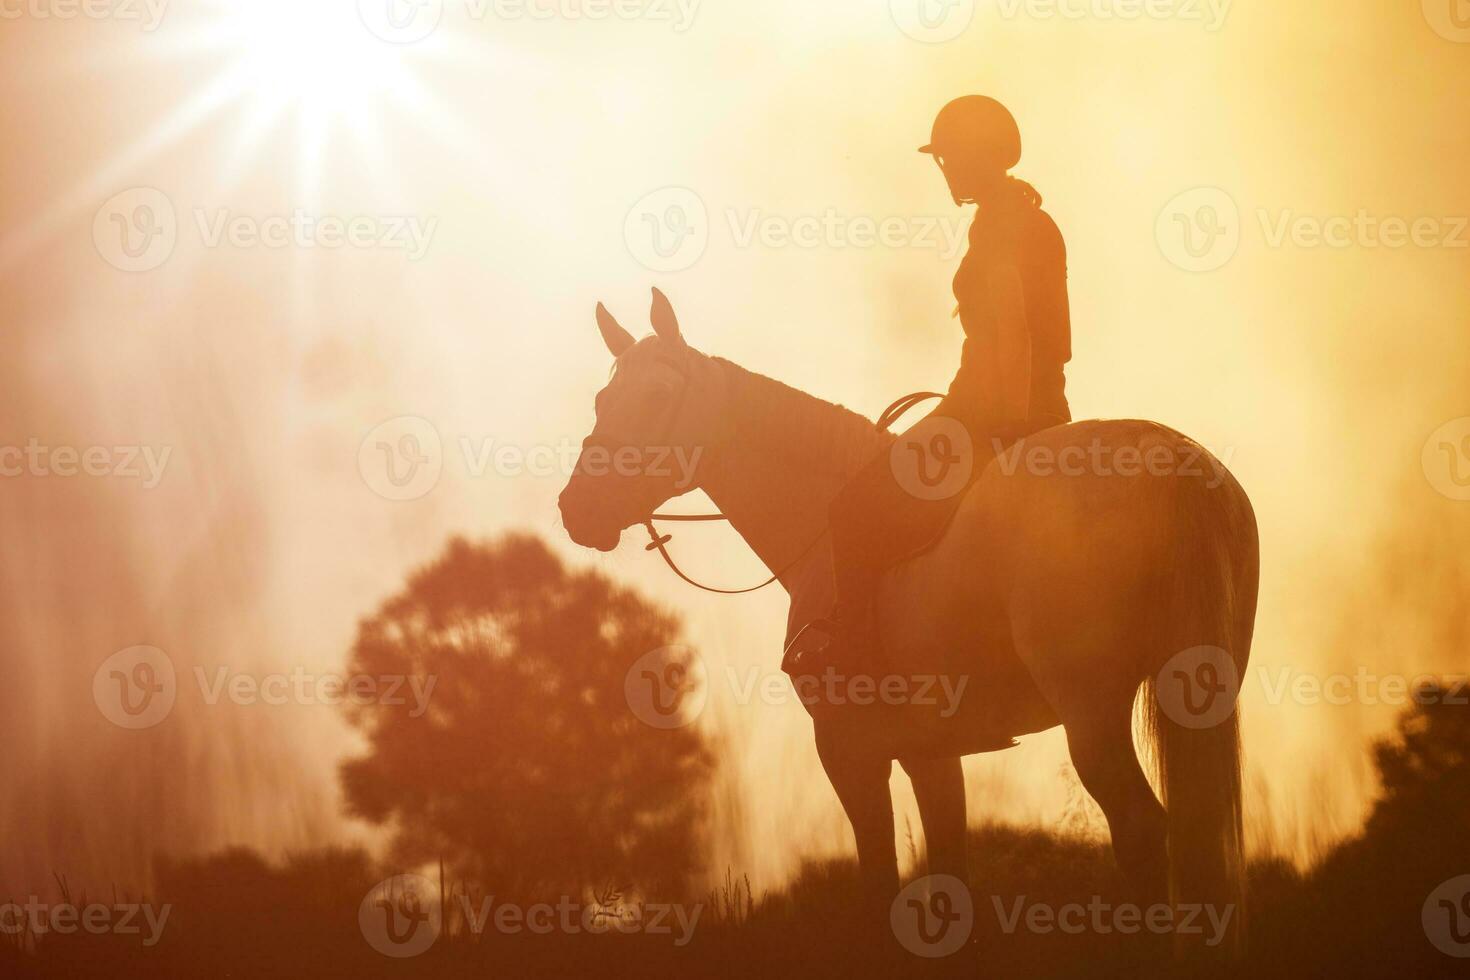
659	542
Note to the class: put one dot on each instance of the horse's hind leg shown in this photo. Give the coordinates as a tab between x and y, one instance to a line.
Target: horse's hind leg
939	786
1101	746
1079	653
860	778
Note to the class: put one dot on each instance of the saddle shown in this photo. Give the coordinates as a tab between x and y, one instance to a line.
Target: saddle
881	526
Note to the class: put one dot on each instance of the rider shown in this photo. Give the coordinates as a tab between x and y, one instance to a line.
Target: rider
1012	293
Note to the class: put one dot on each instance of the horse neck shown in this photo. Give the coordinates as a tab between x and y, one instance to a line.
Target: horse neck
782	458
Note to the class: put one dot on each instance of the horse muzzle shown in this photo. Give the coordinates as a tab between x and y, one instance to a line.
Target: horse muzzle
585	526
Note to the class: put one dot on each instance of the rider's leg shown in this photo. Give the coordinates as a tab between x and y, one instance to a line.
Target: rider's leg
874	523
862	547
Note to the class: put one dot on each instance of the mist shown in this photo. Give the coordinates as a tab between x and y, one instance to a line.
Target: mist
1319	373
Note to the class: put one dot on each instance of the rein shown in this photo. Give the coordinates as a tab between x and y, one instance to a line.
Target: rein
659	542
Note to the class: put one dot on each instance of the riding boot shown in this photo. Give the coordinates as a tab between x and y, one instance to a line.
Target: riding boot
825	656
854	614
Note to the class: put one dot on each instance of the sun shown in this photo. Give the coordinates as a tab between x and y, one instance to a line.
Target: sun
296	72
314	55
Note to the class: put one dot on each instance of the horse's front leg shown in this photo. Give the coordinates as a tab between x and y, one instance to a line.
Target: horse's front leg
939	786
860	777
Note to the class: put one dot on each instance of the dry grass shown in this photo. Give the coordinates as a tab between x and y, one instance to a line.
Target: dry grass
235	914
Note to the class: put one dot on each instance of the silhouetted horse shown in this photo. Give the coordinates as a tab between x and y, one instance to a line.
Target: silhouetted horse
1054	594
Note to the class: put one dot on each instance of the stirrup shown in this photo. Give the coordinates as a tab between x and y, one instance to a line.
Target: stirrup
814	638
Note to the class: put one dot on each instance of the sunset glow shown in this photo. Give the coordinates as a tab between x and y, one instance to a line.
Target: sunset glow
297	294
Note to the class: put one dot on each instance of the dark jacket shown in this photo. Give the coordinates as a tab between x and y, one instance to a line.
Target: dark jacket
1018	233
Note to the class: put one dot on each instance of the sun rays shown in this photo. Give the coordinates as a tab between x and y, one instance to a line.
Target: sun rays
304	87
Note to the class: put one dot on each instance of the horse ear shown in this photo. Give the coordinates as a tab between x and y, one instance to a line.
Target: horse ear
613	334
665	324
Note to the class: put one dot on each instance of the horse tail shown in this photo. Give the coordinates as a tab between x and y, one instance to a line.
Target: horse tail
1209	617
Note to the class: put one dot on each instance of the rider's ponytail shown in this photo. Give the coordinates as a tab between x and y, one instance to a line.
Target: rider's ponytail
1024	191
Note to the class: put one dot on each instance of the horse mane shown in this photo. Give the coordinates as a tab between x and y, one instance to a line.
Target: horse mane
816	432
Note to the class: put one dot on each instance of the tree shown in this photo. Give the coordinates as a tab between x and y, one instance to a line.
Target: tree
1425	773
528	771
1361	911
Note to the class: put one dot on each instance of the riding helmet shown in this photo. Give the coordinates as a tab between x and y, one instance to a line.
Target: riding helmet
977	127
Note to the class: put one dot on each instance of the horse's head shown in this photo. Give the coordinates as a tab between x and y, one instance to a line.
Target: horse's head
654	424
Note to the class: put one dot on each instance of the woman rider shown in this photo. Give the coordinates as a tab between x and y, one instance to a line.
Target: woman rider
1012	293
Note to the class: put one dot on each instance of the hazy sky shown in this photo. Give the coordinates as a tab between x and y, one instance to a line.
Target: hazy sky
506	172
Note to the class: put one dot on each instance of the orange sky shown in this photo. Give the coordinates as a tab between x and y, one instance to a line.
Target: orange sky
521	146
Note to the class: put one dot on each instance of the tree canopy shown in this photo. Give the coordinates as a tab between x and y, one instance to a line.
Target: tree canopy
527	772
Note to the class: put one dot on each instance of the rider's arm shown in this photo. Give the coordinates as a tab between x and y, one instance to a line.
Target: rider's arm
1013	343
1047	307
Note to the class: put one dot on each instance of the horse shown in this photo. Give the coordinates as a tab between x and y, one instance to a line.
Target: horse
1066	594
